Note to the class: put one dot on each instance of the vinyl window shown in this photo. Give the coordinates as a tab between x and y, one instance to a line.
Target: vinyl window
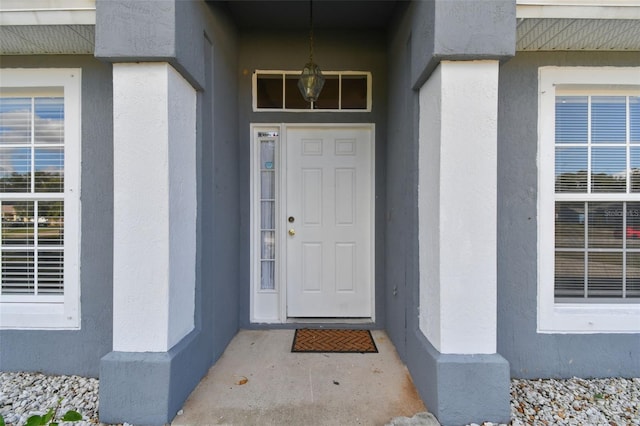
589	211
39	198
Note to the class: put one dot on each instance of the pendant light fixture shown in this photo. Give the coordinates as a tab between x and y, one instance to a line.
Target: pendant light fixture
311	79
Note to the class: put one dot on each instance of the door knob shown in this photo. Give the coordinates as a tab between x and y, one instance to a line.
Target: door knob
292	232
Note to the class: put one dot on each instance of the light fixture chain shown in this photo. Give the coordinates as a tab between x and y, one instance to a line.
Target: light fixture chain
311	31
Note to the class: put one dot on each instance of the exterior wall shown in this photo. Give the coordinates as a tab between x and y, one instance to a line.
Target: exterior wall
335	51
150	387
82	349
533	355
401	291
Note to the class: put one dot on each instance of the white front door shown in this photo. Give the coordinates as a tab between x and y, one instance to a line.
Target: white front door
328	221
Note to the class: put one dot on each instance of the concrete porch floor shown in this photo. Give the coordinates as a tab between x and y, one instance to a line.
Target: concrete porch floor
259	381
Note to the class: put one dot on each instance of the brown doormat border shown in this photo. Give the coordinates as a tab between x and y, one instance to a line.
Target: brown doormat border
333	340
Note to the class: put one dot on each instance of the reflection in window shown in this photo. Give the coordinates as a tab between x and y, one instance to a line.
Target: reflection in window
597	242
32	163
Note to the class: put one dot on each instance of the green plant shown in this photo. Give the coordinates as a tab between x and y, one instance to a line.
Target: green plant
49	419
1	420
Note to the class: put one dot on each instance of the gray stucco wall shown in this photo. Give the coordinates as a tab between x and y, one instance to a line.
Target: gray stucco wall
151	30
401	220
79	352
533	355
459	30
334	51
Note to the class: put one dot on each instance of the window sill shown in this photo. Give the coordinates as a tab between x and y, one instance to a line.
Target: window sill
37	316
590	319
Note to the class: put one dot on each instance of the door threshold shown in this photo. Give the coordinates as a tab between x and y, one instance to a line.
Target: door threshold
297	320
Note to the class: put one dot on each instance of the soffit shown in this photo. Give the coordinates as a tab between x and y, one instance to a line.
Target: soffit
587	25
535	34
46	39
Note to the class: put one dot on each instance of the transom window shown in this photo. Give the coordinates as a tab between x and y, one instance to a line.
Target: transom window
39	198
342	91
589	199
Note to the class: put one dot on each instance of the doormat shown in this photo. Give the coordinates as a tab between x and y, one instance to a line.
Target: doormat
321	340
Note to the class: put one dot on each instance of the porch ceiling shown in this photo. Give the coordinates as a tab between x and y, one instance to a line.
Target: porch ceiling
333	14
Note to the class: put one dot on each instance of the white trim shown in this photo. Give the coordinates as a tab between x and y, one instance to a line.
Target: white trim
48	12
578	9
62	312
270	306
564	317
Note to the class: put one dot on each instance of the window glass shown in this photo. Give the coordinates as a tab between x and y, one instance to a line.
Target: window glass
596	253
571	169
15	120
354	92
269	91
330	95
570	225
571	119
267	212
634	118
32	162
342	91
608	119
293	97
609	169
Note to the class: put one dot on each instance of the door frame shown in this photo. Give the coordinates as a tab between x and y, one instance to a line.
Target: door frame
270	306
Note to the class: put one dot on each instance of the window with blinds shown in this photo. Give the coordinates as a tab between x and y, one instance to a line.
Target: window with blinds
32	145
597	195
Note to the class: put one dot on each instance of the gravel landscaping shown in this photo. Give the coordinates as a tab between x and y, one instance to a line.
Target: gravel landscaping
608	402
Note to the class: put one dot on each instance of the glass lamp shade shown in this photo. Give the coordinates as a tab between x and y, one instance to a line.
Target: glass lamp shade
311	82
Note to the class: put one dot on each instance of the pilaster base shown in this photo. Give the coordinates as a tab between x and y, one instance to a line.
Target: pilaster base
460	389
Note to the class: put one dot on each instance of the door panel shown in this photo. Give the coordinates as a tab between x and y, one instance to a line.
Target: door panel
329	194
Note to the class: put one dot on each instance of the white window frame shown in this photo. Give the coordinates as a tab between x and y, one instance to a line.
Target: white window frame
571	317
284	74
53	312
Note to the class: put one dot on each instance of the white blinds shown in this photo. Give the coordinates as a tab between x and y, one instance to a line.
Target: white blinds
32	195
597	208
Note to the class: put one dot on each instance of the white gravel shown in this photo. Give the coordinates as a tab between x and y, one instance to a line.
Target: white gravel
607	402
